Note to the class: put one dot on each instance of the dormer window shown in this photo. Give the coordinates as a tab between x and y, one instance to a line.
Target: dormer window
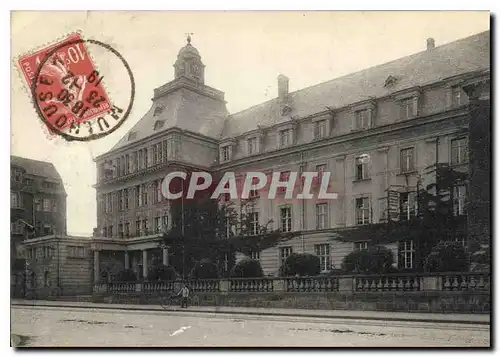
390	81
158	111
132	135
363	119
158	124
285	138
225	153
408	108
320	129
252	145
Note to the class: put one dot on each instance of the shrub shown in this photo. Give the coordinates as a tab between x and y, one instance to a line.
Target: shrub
447	257
304	264
126	275
205	269
247	268
374	260
162	272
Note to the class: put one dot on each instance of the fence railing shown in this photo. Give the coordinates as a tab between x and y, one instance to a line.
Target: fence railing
410	282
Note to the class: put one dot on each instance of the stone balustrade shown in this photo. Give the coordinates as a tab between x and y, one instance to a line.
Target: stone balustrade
411	282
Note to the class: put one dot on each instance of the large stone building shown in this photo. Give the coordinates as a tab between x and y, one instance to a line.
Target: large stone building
376	131
37	206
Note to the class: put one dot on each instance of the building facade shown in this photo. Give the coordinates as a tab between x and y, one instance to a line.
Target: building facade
37	206
376	131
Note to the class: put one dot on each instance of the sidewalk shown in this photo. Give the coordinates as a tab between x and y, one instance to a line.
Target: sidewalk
481	319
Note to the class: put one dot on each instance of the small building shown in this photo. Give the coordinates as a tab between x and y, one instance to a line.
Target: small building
56	265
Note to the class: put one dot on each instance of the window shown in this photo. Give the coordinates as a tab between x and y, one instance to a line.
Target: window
38	204
362	210
459	194
158	124
126	232
76	252
159	195
229	230
157	225
407	162
154	154
110	231
164	223
284	177
158	111
360	245
138	201
407	108
459	151
48	228
285	138
362	171
135	160
225	153
145	227
146	158
118	167
46	280
17	227
254	223
323	252
46	205
362	119
456	96
406	254
138	231
285	252
109	200
17	175
321	215
320	129
120	230
120	200
255	255
144	194
125	198
54	206
408	205
252	146
164	151
15	200
286	219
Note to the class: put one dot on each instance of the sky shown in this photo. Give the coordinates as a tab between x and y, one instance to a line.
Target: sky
243	53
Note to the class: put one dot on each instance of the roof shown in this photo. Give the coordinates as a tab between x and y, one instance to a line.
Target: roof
459	57
183	109
36	168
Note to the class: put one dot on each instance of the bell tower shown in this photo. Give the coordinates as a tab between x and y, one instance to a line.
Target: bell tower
188	64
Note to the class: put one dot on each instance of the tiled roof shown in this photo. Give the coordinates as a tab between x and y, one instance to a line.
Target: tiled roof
459	57
183	109
36	168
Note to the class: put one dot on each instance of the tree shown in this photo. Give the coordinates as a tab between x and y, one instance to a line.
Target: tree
447	257
205	269
162	272
206	228
434	221
247	268
374	260
304	264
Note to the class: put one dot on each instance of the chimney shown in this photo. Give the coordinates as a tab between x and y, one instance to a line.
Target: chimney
431	44
282	88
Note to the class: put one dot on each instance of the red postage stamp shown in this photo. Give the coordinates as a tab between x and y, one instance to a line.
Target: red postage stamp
68	89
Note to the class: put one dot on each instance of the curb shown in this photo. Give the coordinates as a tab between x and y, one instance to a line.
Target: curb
254	313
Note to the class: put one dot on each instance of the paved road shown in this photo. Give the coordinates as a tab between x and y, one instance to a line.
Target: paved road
79	327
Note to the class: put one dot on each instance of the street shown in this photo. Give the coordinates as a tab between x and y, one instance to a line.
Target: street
42	326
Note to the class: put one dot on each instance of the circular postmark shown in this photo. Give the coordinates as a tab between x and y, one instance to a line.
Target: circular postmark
69	95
